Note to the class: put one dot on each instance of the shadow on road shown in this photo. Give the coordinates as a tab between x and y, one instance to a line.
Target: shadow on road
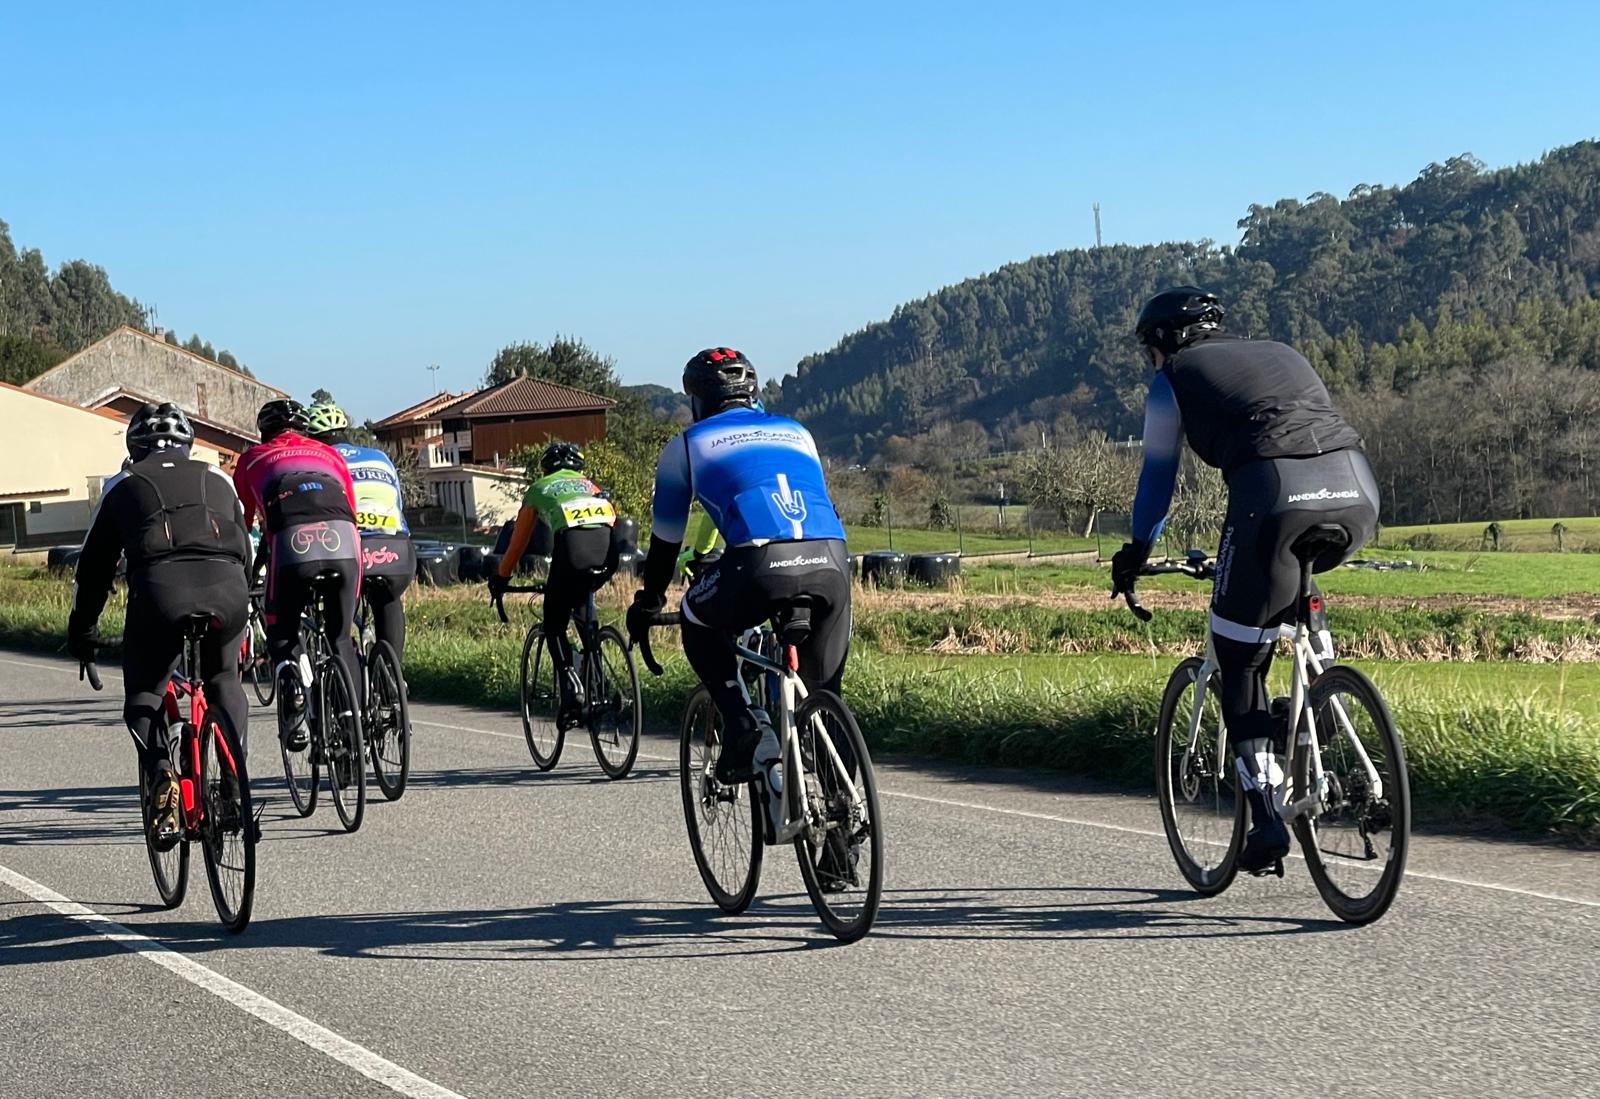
71	816
43	713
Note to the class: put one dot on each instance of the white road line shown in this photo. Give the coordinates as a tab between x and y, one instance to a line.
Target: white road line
320	1038
1498	887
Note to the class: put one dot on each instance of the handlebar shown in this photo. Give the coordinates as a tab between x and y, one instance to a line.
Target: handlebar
524	589
642	639
86	668
1197	570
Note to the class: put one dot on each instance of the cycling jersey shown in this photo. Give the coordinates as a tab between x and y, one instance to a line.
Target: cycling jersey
290	479
566	499
757	475
379	507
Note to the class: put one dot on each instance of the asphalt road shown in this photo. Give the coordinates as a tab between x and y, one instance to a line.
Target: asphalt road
502	932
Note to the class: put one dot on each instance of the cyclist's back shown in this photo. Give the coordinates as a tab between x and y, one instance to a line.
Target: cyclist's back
759	478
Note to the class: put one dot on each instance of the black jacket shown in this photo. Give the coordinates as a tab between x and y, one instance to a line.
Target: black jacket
1246	400
164	509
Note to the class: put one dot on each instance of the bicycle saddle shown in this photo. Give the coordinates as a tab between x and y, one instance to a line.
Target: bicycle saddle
1322	547
793	623
197	624
327	576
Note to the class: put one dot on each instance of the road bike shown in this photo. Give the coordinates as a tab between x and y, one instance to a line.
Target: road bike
822	794
333	722
254	662
215	807
386	711
1348	796
611	706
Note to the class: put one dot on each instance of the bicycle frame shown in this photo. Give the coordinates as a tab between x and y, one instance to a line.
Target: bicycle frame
180	686
790	694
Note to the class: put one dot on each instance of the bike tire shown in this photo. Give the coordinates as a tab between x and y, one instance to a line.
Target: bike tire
738	858
263	679
1203	779
1341	680
389	733
616	721
537	690
227	822
346	764
301	771
824	713
169	867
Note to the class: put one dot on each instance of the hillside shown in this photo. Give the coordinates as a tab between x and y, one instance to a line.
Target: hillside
1360	284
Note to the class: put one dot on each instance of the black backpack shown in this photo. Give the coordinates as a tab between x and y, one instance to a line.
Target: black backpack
189	516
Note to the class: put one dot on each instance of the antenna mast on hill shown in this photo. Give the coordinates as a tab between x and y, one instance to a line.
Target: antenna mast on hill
433	368
1097	241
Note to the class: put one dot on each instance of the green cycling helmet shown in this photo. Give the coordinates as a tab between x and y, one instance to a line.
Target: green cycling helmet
326	418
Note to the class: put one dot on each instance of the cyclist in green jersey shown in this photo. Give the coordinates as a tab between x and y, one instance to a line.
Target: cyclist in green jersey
702	540
582	557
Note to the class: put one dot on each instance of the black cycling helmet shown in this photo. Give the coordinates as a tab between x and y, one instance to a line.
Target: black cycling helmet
276	417
718	378
559	455
1175	317
158	427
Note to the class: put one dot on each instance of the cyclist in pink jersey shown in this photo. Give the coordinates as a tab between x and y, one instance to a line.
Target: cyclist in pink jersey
302	491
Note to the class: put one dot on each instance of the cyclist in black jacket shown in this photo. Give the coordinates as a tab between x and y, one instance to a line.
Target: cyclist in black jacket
179	523
1257	411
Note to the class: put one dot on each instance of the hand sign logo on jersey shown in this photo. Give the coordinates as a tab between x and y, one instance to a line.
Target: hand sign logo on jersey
791	503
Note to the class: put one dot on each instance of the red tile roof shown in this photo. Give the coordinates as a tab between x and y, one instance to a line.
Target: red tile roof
422	410
522	396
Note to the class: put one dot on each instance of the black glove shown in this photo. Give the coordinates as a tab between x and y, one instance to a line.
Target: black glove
498	585
1125	566
83	647
645	604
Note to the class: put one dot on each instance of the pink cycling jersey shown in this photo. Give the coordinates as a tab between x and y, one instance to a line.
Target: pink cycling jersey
290	479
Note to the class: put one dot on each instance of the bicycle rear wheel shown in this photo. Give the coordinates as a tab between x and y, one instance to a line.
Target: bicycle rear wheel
169	865
1356	846
340	717
723	821
301	769
262	678
1202	804
614	711
389	733
227	822
539	701
841	851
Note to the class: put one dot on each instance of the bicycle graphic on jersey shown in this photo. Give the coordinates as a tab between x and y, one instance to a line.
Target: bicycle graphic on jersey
302	538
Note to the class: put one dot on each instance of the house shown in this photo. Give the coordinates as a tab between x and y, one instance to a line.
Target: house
124	369
464	441
54	456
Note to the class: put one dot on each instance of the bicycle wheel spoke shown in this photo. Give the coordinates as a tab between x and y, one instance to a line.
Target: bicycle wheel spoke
538	696
724	833
1201	806
227	825
614	712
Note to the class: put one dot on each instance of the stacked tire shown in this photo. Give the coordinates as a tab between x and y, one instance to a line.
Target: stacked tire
884	568
934	570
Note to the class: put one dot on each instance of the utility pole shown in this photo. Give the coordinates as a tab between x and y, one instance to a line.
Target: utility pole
1097	242
433	368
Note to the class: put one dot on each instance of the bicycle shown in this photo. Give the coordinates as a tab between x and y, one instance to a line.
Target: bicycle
253	659
827	808
611	706
386	711
1344	760
333	722
216	809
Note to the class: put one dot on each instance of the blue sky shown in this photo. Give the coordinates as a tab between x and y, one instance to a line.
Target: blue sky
344	193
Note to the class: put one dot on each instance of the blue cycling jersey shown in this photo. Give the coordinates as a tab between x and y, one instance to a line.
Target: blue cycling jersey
379	508
1163	447
757	475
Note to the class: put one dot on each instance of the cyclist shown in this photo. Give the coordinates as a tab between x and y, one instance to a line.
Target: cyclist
582	555
181	527
302	491
697	545
1257	411
759	478
386	553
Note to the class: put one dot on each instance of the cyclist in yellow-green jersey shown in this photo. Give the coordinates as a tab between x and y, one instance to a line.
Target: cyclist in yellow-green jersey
582	557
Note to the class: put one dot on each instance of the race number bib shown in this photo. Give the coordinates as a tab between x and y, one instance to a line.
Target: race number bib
588	511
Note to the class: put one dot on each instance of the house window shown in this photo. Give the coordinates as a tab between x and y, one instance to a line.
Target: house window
35	507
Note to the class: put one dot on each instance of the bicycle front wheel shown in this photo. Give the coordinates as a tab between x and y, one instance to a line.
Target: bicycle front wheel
227	822
614	713
346	763
723	821
1202	804
841	849
1355	844
262	677
539	701
389	732
169	864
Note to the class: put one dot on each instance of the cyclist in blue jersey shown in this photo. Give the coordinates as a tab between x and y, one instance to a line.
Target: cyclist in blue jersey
387	560
760	480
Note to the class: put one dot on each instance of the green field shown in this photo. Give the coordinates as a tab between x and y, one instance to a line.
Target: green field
978	540
1525	535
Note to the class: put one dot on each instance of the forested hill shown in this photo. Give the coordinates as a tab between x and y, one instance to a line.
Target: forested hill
1046	342
46	315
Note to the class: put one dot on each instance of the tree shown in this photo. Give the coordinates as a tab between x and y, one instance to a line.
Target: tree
1087	477
564	360
322	396
1199	503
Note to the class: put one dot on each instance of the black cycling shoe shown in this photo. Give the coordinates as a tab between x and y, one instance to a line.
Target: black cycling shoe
572	701
1267	842
743	747
836	865
292	711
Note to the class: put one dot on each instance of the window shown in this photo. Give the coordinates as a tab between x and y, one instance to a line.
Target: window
35	507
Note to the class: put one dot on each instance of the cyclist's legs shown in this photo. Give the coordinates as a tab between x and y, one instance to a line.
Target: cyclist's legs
289	592
151	646
391	558
574	559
